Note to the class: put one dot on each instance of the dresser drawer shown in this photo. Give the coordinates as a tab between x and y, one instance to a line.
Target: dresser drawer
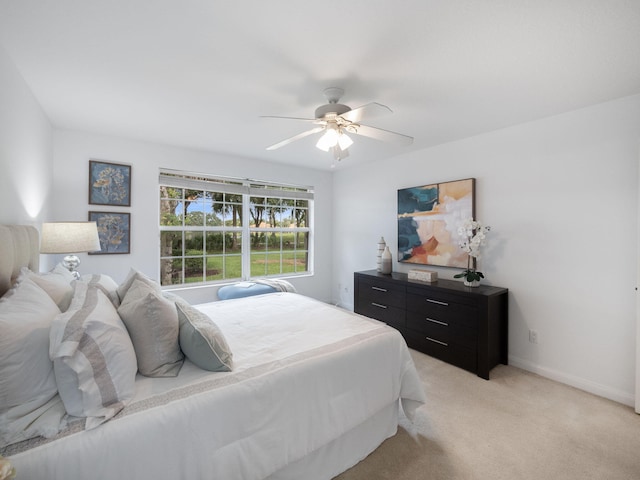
457	355
440	308
442	330
394	316
382	293
443	296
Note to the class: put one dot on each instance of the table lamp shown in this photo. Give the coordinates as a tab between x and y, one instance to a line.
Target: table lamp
70	238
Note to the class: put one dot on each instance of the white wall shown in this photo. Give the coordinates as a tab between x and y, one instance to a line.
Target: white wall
25	150
561	197
73	150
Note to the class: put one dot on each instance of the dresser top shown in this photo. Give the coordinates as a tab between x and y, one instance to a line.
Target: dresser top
441	284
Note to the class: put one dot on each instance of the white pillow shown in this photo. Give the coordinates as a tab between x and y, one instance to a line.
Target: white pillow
201	340
105	283
93	358
135	275
57	283
27	379
152	322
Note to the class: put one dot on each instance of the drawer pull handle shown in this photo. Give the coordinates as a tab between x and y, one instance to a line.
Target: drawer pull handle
379	289
437	302
378	305
437	341
436	321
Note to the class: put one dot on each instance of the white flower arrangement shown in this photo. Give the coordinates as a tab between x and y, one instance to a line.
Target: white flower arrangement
472	236
7	472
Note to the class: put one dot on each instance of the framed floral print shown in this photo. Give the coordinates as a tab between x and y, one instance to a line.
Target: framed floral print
109	184
114	231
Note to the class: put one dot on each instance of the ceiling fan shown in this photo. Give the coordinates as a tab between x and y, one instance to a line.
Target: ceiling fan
337	121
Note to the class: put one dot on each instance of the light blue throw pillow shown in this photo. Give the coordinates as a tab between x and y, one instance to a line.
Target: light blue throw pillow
202	341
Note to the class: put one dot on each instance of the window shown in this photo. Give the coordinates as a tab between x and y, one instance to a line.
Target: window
215	229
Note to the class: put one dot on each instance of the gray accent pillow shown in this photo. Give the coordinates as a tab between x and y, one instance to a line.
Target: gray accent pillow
152	322
93	358
201	340
135	275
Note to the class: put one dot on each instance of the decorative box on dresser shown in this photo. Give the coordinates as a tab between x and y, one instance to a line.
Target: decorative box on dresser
464	326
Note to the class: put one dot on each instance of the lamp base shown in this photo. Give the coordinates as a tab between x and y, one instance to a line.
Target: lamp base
71	263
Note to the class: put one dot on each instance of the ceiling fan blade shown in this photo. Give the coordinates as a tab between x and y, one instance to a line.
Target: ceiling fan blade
369	110
295	137
382	135
290	118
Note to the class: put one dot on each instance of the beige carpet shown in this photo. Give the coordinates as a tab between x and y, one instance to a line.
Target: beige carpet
516	426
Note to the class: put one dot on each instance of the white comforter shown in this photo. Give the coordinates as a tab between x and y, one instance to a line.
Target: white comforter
305	373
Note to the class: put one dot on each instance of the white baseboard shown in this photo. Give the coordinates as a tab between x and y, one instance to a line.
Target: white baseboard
626	398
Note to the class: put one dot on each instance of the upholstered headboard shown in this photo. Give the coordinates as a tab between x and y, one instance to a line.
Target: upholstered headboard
19	247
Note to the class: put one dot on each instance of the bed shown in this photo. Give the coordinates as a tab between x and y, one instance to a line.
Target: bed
312	391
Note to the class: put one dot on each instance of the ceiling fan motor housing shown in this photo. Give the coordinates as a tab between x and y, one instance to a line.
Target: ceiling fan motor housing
335	108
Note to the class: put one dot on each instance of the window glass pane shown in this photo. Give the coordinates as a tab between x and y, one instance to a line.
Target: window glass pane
215	219
194	204
233	242
232	215
258	242
302	240
257	211
168	216
288	241
273	263
215	243
258	265
233	198
233	266
170	192
288	262
193	269
302	261
274	241
171	271
215	268
300	217
287	217
193	243
170	244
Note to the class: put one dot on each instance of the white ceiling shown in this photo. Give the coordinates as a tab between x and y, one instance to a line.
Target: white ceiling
200	73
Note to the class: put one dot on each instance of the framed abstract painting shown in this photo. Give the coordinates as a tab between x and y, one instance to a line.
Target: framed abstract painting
114	231
109	184
428	220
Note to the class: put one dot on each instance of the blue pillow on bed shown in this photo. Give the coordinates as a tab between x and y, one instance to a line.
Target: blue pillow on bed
244	290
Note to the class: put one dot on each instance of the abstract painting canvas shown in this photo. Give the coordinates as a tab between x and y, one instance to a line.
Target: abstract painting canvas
114	231
109	184
428	220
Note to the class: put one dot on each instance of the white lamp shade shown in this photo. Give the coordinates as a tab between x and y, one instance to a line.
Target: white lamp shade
69	237
329	139
344	141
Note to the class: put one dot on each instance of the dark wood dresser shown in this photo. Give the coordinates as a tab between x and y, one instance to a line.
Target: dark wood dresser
464	326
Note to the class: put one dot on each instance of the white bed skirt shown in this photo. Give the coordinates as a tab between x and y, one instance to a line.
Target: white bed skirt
346	451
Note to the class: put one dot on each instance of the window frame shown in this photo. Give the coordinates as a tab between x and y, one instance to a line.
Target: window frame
247	189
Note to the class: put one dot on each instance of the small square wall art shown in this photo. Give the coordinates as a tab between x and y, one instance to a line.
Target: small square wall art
109	184
114	231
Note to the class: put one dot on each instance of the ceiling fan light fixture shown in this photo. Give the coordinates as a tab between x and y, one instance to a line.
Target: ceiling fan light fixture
344	141
328	139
